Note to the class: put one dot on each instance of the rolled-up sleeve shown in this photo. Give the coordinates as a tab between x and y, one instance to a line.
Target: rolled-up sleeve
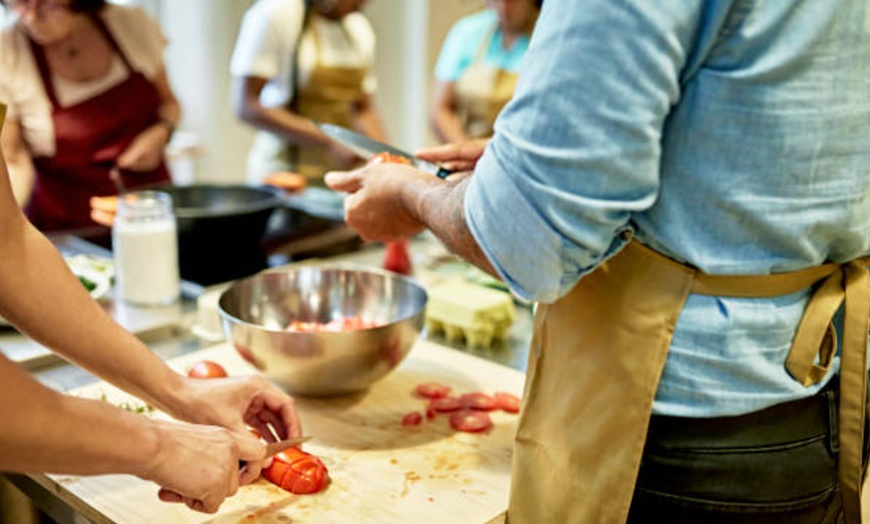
577	150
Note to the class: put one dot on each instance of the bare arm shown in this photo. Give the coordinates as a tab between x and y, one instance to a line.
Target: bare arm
445	122
145	152
21	171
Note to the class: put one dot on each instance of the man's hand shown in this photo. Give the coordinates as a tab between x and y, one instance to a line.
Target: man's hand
459	156
382	199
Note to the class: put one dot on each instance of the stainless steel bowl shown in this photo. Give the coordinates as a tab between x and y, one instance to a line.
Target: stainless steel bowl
256	311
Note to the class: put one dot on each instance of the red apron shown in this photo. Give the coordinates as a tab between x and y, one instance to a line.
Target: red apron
89	137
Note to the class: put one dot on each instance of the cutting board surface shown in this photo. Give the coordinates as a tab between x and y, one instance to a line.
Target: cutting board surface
381	471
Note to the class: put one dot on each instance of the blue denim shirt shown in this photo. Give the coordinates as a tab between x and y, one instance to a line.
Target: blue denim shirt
733	135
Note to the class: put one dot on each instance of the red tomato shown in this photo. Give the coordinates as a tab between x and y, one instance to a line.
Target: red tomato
388	158
337	324
298	472
397	258
507	402
432	390
413	418
470	420
206	369
477	400
445	404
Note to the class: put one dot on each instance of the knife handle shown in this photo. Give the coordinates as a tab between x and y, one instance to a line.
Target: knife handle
443	173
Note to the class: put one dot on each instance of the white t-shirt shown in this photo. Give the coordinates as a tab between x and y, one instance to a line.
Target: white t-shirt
138	36
267	41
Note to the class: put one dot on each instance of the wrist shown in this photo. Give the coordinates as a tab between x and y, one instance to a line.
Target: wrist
169	126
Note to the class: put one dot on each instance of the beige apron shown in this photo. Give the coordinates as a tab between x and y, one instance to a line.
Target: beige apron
596	359
481	93
329	96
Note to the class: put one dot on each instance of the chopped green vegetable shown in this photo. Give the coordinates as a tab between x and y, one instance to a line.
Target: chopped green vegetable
89	284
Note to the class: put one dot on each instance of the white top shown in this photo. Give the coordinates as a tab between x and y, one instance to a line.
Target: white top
140	38
267	41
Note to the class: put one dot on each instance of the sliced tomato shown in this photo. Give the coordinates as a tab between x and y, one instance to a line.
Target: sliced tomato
470	420
206	369
430	413
507	402
477	400
337	324
388	158
432	390
445	404
414	418
298	472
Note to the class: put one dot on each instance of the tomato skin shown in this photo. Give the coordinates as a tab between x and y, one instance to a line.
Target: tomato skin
350	323
507	402
387	158
397	258
470	421
432	390
206	369
298	472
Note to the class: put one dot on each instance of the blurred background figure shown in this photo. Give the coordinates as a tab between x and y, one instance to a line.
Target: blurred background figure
477	68
297	62
87	91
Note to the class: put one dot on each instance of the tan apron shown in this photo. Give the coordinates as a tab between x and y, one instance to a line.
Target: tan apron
482	91
329	96
596	358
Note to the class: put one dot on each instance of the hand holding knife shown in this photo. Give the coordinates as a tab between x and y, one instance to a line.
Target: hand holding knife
366	148
273	448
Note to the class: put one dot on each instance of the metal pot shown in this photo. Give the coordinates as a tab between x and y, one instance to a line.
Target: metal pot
220	229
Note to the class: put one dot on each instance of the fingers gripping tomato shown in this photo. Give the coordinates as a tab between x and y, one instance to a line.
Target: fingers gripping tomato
297	472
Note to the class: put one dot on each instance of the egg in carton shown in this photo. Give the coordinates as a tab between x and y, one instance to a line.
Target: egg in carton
467	312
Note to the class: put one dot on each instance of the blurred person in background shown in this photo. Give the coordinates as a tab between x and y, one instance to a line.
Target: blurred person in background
478	67
87	92
298	62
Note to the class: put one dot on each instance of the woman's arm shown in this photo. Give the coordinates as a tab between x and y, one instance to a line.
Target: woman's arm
21	171
445	122
145	152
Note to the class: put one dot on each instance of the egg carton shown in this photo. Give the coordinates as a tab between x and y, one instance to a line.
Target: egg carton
469	313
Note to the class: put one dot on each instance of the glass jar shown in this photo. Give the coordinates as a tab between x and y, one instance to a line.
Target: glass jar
145	246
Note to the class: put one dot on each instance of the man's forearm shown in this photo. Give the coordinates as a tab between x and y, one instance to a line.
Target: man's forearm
441	207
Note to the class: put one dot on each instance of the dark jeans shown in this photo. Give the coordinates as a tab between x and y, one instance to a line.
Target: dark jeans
778	465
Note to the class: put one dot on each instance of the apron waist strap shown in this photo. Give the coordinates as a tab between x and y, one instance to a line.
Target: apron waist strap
815	344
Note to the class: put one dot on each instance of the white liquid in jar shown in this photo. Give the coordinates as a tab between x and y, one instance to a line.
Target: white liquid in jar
146	255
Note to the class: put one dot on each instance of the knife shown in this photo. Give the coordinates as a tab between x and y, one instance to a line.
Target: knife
273	448
366	148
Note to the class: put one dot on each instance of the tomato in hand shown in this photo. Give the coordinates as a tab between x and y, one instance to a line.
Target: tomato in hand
206	369
298	472
388	158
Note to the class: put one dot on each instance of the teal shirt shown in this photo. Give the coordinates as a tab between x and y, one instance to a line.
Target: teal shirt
464	41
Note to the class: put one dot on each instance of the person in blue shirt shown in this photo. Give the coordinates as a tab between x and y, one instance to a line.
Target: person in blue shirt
478	66
693	220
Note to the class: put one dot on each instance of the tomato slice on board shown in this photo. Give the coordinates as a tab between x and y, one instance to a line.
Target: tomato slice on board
477	400
206	369
506	402
414	418
298	472
445	404
470	420
432	390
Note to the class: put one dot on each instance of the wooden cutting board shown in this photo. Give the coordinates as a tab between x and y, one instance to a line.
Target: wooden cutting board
381	471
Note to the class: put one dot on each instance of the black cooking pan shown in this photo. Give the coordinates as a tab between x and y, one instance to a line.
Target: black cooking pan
220	229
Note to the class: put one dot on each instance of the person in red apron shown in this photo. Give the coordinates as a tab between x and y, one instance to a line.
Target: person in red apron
194	459
683	189
126	124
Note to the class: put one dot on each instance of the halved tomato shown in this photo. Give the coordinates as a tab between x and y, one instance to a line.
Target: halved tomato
298	472
388	158
507	402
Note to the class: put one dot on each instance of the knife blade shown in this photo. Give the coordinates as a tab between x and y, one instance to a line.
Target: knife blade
273	448
367	147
